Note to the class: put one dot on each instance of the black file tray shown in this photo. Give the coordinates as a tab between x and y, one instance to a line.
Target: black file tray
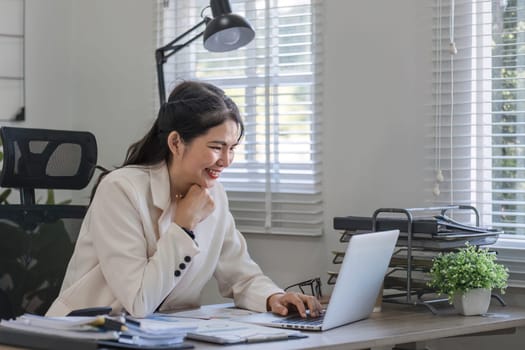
364	223
420	233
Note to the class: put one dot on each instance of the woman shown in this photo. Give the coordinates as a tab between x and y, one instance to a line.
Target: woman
159	227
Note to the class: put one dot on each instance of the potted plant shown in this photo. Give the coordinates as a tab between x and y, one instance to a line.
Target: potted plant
468	276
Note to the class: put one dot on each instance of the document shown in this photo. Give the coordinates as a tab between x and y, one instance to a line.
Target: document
232	332
140	332
219	324
150	331
153	331
208	312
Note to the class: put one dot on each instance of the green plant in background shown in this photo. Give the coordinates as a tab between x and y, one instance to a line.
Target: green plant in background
465	269
33	262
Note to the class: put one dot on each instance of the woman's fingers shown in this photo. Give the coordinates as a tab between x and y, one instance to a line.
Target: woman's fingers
282	303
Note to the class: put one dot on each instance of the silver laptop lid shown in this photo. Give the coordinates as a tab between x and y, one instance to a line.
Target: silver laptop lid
360	277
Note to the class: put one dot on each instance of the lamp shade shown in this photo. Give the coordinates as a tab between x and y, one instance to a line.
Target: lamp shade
226	31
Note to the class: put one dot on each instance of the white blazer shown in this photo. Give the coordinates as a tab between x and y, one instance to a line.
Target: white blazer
130	255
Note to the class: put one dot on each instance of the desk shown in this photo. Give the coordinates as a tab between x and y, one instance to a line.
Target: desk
396	324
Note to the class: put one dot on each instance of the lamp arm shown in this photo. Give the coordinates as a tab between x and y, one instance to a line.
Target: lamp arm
163	53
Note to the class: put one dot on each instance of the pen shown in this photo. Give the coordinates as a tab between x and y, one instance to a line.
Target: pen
109	324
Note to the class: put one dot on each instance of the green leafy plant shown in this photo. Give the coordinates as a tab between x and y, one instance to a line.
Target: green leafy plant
465	269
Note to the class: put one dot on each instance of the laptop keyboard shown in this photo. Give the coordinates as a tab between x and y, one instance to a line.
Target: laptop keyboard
298	320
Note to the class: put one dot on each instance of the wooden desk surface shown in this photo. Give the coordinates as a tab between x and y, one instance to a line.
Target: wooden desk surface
396	324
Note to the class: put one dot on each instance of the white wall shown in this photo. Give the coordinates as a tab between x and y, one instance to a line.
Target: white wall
112	52
48	64
90	67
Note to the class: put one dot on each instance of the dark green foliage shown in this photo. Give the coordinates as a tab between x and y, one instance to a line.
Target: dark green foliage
33	264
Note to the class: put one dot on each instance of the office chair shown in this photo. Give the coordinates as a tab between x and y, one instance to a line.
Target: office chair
37	239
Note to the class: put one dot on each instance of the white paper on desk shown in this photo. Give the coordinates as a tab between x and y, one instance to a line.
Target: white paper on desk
153	325
208	312
150	331
231	332
131	337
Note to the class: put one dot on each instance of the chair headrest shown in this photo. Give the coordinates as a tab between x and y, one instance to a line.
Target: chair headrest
44	158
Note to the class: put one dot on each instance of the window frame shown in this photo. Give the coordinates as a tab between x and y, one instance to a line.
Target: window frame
447	18
275	204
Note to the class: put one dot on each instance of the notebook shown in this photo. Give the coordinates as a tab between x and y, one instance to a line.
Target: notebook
231	332
357	286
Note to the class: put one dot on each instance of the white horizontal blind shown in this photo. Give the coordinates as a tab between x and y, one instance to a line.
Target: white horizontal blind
274	184
11	60
479	109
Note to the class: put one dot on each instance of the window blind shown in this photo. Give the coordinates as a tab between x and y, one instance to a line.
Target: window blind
478	128
274	183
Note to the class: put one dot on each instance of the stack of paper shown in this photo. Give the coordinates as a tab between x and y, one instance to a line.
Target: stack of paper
222	324
151	332
147	333
156	331
70	327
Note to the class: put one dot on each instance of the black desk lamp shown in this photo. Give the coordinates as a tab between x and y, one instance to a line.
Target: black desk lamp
225	32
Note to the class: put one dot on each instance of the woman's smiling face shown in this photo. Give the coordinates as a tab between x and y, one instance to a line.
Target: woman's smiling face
202	161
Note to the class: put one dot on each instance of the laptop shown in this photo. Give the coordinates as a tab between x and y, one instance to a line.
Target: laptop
356	289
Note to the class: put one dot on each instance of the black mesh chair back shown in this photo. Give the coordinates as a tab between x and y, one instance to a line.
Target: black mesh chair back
37	239
42	158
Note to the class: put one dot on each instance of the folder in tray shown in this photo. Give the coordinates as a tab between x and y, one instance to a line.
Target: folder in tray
355	223
436	226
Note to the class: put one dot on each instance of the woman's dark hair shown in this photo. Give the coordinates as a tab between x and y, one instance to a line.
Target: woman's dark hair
192	109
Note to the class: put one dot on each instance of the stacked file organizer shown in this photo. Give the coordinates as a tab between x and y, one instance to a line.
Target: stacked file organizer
424	232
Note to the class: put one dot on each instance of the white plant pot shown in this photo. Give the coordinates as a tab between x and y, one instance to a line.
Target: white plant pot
474	302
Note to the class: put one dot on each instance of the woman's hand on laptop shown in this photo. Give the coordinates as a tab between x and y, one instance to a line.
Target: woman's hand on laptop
283	303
